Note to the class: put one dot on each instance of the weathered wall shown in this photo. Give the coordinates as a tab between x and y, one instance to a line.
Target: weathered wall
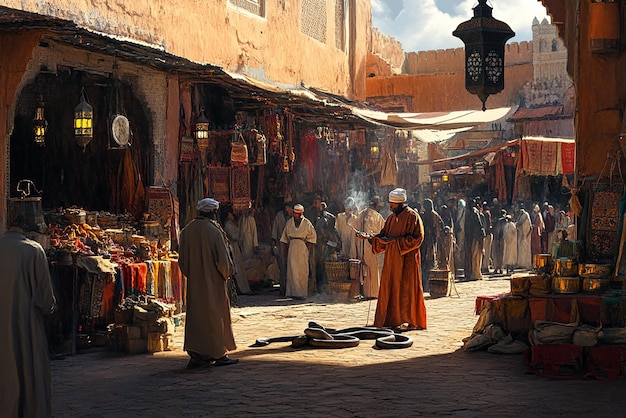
377	66
601	95
388	49
453	60
446	91
218	33
17	53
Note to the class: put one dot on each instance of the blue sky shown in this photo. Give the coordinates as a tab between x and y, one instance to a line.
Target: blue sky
422	25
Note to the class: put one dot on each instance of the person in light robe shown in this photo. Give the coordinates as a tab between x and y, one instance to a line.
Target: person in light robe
298	238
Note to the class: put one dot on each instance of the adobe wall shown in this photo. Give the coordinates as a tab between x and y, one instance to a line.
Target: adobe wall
377	66
217	33
445	91
453	60
388	49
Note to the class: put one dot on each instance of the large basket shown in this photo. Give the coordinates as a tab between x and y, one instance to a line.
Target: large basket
340	289
337	270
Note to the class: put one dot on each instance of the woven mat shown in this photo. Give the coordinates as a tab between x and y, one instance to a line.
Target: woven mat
219	183
240	187
160	203
603	221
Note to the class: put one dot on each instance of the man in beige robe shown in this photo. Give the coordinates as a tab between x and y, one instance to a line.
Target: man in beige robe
205	261
370	223
346	224
298	237
26	297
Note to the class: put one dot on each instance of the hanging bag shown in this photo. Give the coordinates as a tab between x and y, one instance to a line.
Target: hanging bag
238	150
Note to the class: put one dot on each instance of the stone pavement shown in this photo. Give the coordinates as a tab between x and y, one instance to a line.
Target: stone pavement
434	377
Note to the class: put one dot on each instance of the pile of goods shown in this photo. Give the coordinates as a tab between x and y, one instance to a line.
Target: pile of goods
75	232
142	326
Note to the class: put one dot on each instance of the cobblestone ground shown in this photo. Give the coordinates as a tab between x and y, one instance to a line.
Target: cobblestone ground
434	377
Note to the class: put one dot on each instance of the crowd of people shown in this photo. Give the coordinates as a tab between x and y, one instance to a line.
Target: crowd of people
413	240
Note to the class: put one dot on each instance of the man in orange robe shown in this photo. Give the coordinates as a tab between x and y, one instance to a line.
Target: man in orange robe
401	297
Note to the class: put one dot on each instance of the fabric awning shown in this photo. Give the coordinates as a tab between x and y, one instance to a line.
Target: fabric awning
434	120
542	156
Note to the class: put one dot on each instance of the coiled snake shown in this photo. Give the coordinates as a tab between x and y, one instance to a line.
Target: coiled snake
315	335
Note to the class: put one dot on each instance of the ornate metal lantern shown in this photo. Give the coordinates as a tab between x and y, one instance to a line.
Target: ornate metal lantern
484	38
202	130
40	125
83	122
373	146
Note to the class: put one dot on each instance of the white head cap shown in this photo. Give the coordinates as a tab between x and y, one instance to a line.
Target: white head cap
207	205
397	196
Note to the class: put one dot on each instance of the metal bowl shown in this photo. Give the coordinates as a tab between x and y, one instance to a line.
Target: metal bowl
565	267
594	270
566	284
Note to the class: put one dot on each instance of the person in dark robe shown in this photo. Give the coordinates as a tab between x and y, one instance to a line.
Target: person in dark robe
488	241
433	227
280	220
328	241
401	297
497	248
27	297
205	261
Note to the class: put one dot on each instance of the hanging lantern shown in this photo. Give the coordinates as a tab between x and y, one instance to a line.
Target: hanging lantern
40	124
374	147
445	177
484	38
202	130
83	121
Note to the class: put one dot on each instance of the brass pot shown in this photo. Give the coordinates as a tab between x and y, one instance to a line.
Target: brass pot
566	284
595	284
594	270
542	260
565	267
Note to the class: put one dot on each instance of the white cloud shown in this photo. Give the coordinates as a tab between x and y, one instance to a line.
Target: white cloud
422	24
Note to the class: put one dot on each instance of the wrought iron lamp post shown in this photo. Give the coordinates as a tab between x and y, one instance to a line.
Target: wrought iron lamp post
484	38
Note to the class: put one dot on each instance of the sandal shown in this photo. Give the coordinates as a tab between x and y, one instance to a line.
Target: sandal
225	361
195	363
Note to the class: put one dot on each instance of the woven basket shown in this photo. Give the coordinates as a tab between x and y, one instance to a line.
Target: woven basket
337	270
340	289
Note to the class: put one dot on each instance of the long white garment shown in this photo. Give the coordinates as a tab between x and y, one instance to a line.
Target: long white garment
26	297
249	237
509	232
346	224
296	239
524	257
370	222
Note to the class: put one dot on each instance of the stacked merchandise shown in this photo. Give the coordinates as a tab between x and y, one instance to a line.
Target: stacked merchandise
142	326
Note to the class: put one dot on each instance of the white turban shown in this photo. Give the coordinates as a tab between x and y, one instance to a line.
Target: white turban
298	208
397	196
207	205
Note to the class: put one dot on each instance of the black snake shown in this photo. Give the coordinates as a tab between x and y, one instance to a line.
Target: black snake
315	335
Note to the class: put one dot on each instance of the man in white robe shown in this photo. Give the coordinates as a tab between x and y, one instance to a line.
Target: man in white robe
26	297
509	233
249	236
298	237
371	223
524	227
